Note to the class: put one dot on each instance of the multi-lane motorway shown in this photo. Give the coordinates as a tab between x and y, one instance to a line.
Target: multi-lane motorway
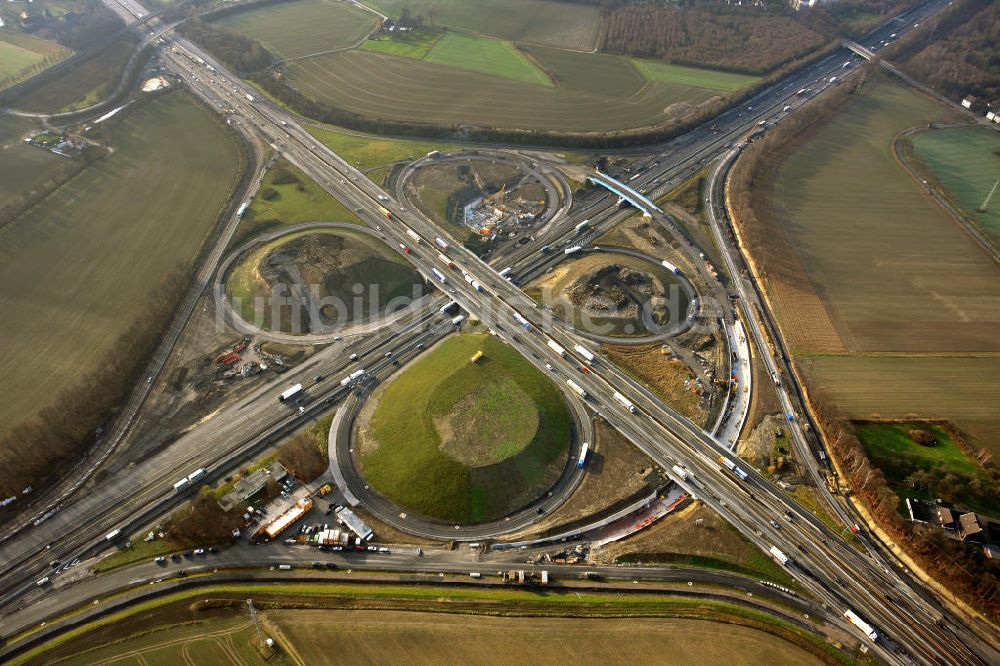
909	628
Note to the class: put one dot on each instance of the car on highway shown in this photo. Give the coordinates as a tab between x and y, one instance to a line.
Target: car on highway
160	560
199	551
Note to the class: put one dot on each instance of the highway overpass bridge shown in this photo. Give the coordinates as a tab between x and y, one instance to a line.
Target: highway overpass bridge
625	192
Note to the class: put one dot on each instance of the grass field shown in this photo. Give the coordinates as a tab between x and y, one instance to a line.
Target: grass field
279	204
84	84
959	388
694	76
23	55
466	442
966	163
384	86
411	44
488	56
76	269
366	152
857	242
304	27
533	21
891	448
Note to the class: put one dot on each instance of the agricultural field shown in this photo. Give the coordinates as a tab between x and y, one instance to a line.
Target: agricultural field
610	75
380	623
23	55
545	22
287	196
24	168
84	84
223	640
76	269
304	27
421	638
334	261
859	259
965	162
417	90
962	389
462	441
937	468
487	56
694	76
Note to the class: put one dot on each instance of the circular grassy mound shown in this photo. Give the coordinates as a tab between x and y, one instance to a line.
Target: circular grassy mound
465	442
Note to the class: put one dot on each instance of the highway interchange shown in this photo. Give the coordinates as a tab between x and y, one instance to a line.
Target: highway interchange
910	628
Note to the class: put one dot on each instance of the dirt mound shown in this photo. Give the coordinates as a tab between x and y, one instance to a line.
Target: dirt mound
620	291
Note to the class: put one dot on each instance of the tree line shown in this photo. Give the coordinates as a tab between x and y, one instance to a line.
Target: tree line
958	56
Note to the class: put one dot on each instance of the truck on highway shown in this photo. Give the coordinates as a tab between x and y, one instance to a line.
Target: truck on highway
195	475
451	308
670	267
778	555
445	260
860	624
290	393
582	226
351	377
522	321
112	535
572	250
625	402
242	209
250	98
733	467
439	275
440	243
681	472
505	273
776	378
457	321
180	485
584	450
576	388
476	285
385	212
556	347
414	235
585	353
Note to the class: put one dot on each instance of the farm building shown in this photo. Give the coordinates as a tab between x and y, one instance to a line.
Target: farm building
969	527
